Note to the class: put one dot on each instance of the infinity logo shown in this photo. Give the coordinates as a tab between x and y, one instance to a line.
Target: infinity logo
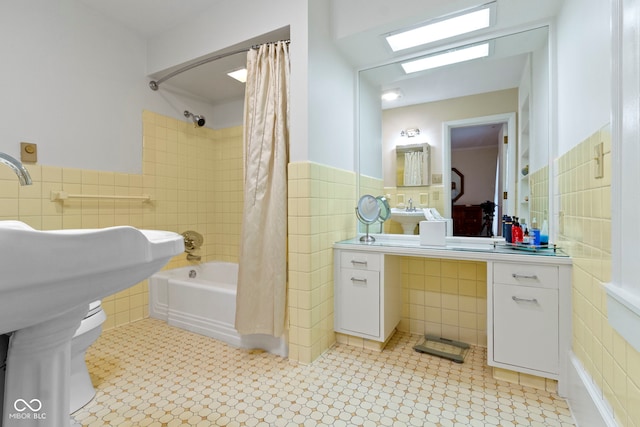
21	405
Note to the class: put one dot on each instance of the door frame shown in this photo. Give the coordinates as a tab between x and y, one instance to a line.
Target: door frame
508	205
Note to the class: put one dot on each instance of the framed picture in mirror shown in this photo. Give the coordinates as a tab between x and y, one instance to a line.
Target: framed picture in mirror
457	184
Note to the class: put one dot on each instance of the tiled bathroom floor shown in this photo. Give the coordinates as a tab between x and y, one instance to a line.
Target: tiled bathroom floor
151	374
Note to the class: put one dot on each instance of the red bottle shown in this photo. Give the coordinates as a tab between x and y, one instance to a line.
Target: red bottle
516	232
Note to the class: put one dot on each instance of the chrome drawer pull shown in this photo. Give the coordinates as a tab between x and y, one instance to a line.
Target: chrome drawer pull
524	276
355	261
358	280
531	300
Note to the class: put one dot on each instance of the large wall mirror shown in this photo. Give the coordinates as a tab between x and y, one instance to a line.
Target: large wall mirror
488	118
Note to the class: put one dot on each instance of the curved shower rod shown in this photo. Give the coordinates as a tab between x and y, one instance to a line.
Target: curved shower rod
154	84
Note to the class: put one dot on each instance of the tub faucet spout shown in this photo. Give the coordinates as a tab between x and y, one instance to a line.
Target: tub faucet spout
17	167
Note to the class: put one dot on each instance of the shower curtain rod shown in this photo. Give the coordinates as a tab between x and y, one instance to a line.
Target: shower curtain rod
154	84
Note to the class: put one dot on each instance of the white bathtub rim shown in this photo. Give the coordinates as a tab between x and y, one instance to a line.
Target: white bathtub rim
160	308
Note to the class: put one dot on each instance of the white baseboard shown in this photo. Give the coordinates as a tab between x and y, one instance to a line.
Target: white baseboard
585	398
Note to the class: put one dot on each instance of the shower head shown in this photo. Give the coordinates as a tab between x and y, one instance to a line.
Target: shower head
197	119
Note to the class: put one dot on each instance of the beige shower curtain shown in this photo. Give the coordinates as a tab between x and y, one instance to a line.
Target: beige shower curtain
262	276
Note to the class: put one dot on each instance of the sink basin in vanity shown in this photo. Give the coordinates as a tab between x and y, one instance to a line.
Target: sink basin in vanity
407	219
48	280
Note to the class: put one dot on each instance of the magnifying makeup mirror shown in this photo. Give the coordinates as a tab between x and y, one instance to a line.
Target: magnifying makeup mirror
368	212
385	210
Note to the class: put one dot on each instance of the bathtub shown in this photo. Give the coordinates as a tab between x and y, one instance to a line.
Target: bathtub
202	299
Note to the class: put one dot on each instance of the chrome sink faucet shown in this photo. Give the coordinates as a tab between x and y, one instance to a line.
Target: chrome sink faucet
17	167
411	208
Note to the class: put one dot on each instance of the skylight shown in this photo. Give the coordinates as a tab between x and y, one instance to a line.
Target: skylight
240	75
442	29
447	58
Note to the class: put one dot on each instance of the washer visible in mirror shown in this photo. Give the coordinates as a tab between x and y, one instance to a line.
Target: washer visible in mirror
457	184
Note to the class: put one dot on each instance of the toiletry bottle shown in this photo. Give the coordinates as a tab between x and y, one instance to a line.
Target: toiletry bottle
544	234
516	231
506	228
525	238
534	235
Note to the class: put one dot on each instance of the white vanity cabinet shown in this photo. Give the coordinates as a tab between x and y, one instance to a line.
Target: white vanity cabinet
528	298
367	294
526	330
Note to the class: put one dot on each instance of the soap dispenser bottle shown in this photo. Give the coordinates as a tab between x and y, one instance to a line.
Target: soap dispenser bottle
544	233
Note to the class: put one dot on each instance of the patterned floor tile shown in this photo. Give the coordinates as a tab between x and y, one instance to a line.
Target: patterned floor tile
150	374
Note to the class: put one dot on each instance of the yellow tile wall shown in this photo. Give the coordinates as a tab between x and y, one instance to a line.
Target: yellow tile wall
321	212
447	298
585	232
193	174
539	197
432	194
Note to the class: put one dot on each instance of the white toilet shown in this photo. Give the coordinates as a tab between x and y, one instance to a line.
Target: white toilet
82	390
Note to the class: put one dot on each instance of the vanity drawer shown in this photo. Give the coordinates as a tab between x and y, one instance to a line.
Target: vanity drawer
359	293
360	260
525	327
544	276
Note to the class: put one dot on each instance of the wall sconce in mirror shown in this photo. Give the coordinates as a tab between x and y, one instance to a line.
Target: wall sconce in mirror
410	133
413	165
457	184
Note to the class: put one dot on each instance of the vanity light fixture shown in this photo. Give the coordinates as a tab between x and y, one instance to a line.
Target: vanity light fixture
240	75
391	95
443	28
410	133
447	58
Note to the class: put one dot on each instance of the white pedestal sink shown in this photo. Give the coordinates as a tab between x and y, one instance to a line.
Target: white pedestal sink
407	219
48	280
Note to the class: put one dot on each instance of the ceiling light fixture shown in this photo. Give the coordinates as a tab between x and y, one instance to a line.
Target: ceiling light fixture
442	28
391	95
447	58
240	75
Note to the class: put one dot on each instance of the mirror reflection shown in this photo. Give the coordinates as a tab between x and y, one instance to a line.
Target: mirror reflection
412	165
487	118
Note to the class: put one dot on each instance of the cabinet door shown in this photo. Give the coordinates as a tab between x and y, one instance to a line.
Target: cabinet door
525	327
359	295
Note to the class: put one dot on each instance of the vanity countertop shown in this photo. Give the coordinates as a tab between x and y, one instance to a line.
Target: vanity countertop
461	248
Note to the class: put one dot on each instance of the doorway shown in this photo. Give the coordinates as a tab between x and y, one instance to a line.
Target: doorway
479	150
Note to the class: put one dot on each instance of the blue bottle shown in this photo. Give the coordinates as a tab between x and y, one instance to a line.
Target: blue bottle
544	233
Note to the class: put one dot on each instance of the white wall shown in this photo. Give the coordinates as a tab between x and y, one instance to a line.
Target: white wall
583	68
76	83
370	132
232	23
73	83
479	169
331	101
540	135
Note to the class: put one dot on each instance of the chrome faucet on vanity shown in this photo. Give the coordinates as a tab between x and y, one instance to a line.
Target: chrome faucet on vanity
411	208
17	167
